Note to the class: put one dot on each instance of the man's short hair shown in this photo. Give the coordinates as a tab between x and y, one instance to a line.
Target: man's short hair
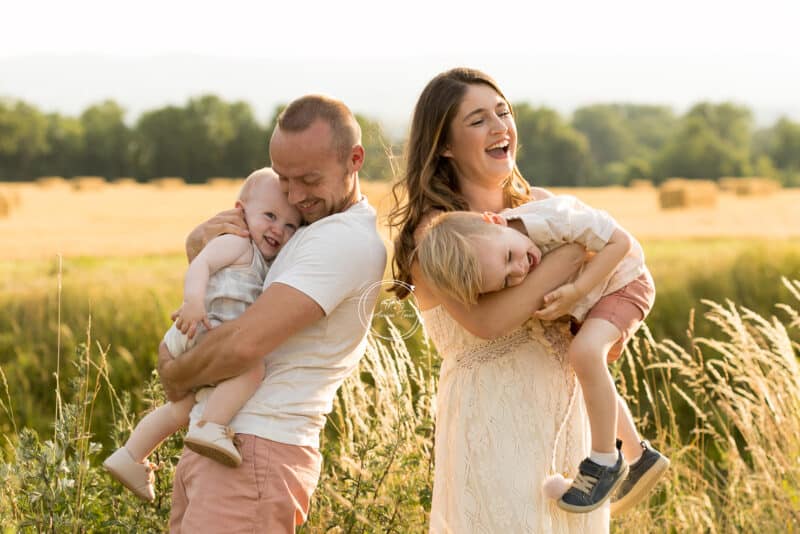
302	112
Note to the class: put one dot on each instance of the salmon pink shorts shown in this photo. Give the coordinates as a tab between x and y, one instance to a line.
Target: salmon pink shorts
625	308
269	492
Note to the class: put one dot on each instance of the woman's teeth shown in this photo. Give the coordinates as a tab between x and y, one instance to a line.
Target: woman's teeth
498	150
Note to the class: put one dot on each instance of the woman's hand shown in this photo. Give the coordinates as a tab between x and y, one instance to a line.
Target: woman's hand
226	222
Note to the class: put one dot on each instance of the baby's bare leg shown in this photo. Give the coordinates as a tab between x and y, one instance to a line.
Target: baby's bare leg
157	426
587	355
626	431
229	396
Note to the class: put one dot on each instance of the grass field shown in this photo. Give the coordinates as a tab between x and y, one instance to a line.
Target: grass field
719	392
137	219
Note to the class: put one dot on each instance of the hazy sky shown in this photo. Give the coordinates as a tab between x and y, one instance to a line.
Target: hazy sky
377	55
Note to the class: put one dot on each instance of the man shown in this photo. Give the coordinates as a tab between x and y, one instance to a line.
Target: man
305	325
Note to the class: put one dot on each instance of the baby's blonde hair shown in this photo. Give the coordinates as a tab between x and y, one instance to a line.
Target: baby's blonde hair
253	181
448	256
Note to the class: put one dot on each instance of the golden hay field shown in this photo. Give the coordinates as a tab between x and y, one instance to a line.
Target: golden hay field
134	219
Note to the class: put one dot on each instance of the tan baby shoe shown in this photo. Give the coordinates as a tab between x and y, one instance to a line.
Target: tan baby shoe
213	441
136	477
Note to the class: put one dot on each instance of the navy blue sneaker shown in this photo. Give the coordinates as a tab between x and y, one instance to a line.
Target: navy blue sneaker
594	485
642	477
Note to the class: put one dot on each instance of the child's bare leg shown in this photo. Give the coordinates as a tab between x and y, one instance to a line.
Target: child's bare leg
626	431
587	355
229	396
157	426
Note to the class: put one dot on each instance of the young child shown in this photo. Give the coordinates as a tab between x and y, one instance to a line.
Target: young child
465	254
224	279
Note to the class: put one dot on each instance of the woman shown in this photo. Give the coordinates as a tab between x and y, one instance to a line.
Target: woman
509	411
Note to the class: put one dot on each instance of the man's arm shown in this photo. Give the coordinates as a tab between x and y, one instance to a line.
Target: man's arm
235	346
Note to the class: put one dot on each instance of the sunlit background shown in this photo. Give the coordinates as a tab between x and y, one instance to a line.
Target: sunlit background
124	125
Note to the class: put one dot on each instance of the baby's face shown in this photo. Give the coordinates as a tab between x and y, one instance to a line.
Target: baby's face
505	258
270	218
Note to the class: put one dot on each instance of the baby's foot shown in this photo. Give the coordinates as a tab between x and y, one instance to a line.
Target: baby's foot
213	441
137	477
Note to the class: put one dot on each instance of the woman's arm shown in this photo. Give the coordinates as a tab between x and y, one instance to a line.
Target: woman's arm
498	313
226	222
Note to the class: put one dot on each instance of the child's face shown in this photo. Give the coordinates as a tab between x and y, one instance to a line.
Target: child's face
505	258
270	218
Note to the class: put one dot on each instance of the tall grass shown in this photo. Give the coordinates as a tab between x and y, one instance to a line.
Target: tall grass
735	468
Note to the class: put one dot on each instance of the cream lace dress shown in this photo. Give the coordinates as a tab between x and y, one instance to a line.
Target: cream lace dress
500	405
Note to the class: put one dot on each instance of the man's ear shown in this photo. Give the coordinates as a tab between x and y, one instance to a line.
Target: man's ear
238	204
356	159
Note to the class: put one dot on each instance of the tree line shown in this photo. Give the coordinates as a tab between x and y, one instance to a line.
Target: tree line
600	144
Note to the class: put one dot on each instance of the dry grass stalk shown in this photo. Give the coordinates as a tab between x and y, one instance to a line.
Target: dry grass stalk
683	193
88	183
737	469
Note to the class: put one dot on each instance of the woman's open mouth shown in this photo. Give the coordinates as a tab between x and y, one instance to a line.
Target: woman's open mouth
499	150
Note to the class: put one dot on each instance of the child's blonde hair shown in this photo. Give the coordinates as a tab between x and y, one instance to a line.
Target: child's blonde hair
253	181
448	255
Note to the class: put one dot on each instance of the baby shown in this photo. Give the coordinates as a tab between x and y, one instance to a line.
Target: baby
609	299
225	278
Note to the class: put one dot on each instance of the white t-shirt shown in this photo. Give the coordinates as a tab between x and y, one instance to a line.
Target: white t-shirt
335	261
555	221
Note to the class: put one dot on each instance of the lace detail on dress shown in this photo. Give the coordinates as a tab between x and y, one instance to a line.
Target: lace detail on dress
492	349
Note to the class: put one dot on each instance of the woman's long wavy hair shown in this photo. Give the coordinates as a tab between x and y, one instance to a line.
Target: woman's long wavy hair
430	181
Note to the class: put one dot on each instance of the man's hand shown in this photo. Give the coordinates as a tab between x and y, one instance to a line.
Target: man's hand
165	358
226	222
189	316
559	302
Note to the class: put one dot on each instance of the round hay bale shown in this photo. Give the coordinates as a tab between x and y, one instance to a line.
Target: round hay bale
756	187
5	205
677	193
728	184
52	181
88	183
125	181
168	182
12	196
